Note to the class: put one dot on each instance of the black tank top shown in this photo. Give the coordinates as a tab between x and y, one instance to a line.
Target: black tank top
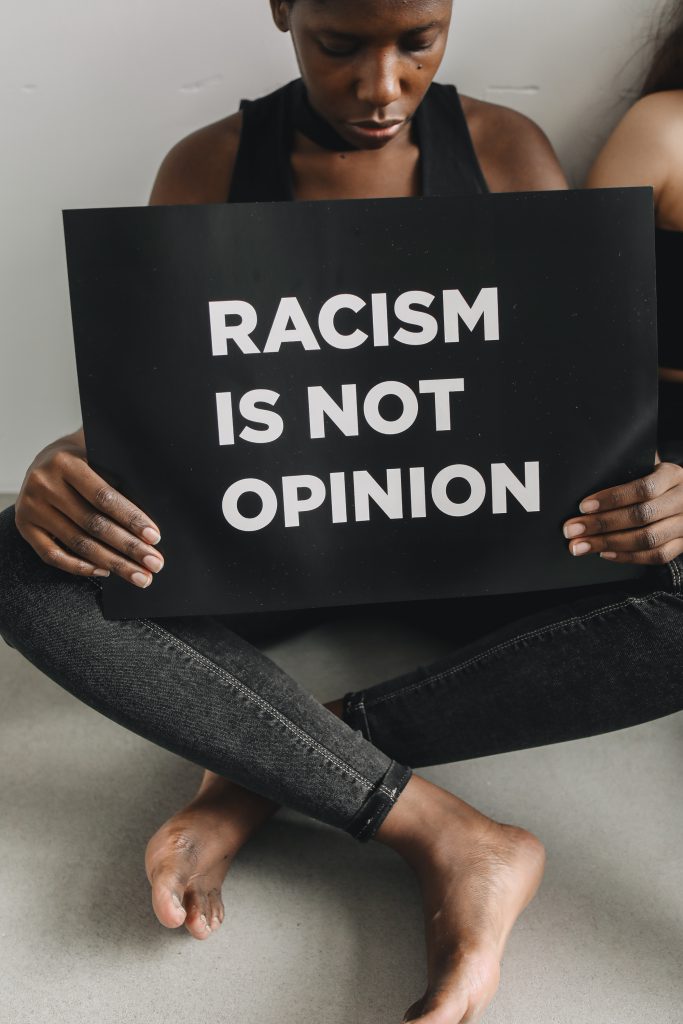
262	172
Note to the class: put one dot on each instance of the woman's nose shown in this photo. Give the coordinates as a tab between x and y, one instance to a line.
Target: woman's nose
380	83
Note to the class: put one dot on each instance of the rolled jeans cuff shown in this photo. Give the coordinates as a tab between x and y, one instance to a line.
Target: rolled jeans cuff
369	818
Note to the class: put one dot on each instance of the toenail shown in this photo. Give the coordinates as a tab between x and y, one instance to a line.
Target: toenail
176	901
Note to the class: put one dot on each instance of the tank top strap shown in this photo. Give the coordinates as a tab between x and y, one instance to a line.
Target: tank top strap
449	164
262	170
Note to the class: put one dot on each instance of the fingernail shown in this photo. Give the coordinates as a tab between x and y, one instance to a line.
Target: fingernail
607	554
100	572
155	564
140	580
580	549
575	530
590	505
150	535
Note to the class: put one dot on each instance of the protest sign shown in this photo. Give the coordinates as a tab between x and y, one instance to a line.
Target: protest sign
360	401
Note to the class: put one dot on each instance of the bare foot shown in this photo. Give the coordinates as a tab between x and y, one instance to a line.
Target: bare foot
476	877
188	857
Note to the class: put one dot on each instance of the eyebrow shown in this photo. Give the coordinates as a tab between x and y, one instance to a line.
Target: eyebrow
424	28
408	31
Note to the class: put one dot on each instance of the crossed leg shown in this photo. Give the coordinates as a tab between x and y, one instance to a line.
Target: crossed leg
476	875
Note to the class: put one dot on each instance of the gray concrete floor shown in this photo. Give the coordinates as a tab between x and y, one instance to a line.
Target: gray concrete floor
320	928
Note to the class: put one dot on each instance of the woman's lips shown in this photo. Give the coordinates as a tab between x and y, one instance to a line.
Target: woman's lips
374	129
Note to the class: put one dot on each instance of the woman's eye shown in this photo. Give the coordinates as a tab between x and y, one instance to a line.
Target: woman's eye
336	51
419	45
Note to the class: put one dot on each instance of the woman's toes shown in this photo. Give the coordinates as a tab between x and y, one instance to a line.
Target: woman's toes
167	898
457	1012
197	920
215	911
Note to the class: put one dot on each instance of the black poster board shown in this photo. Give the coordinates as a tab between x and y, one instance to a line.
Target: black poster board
359	401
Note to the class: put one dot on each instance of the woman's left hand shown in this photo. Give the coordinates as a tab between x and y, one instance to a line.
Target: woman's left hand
641	521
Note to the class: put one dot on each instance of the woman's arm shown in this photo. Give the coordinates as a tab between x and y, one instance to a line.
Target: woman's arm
633	154
78	437
646	148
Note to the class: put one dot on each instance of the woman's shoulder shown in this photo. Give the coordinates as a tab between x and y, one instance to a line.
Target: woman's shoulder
515	154
199	168
646	146
655	119
658	113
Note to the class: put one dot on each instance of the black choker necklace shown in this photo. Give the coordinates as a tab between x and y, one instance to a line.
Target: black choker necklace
309	122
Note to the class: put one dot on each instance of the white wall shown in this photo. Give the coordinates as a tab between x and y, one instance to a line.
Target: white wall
92	94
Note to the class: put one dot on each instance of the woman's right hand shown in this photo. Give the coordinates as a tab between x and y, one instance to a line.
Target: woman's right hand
62	499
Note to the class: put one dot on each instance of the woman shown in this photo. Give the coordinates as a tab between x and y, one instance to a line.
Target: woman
646	148
367	124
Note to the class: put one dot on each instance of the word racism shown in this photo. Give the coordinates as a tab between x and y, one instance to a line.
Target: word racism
403	493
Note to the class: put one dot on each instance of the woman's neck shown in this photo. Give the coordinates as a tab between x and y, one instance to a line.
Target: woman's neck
325	166
392	172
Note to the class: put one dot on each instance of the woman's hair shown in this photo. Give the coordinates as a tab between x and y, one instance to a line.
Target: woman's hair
666	68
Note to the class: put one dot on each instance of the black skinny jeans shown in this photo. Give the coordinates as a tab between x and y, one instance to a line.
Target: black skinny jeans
525	670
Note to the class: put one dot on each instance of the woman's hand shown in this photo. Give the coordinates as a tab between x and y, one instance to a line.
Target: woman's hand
62	499
641	521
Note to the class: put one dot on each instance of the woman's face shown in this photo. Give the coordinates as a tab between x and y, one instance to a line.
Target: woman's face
366	64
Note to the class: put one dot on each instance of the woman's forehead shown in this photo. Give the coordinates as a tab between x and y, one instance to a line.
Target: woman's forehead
366	16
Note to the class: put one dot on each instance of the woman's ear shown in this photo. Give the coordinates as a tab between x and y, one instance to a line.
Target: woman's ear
280	11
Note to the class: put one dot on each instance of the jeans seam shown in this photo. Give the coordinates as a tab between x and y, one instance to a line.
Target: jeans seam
675	573
261	703
515	640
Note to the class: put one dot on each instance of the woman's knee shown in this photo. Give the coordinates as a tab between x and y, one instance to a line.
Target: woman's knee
17	558
9	542
10	554
32	593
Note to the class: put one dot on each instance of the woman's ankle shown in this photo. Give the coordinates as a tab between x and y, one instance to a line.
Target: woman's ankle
424	817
